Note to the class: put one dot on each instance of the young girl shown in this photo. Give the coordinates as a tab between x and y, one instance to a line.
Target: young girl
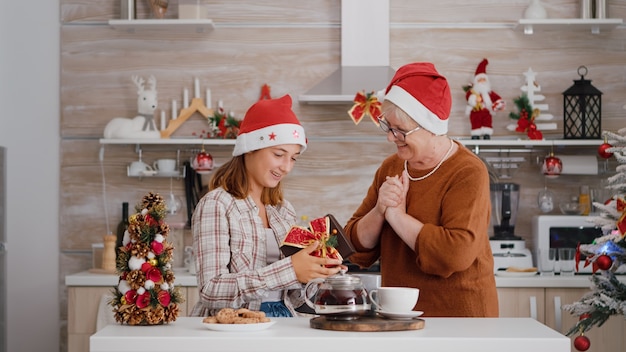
239	225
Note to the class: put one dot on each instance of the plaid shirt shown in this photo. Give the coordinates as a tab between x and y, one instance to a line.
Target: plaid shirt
231	264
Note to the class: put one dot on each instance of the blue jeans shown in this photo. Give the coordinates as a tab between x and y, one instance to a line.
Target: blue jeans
275	309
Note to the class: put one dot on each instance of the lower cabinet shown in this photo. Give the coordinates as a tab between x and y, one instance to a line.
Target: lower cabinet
522	302
82	316
544	305
610	337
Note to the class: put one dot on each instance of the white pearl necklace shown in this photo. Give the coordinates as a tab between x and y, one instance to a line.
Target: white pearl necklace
433	170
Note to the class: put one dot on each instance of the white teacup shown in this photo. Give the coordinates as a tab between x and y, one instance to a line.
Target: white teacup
394	299
137	168
165	165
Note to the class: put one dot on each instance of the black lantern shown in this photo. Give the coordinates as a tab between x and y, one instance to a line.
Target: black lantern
582	109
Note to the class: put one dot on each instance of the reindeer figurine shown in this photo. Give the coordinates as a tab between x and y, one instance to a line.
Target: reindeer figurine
142	125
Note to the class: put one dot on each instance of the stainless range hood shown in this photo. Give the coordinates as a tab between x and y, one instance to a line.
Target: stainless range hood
364	54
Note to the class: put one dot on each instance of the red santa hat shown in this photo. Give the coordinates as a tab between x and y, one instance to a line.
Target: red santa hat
268	123
420	91
481	70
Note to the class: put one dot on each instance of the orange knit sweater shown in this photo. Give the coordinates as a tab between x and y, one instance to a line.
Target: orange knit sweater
451	261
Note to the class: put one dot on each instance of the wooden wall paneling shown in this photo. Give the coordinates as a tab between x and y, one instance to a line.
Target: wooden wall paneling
233	11
333	177
234	64
292	45
83	219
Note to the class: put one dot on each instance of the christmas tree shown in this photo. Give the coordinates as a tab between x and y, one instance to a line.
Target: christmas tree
606	253
145	294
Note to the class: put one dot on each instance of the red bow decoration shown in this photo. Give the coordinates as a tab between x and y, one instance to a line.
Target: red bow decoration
365	104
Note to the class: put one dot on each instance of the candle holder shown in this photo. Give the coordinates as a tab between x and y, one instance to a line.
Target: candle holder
582	109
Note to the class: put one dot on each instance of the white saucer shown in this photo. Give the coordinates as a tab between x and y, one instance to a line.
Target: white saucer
397	315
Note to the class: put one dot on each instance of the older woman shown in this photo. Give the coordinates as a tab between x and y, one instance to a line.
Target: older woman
427	212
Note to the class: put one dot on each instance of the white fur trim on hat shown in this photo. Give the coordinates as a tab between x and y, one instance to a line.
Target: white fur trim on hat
417	111
270	136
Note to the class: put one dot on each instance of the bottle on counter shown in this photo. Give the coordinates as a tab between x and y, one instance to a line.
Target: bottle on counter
121	227
584	200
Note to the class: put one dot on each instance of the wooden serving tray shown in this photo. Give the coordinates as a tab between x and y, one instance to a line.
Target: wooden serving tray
367	323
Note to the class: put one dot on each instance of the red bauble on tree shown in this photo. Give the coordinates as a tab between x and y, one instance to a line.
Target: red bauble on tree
604	262
582	343
602	150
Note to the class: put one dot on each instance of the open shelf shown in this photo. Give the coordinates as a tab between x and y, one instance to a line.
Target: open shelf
595	26
197	25
170	141
529	142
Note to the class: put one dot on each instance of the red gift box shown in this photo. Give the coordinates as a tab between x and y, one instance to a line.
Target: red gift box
327	231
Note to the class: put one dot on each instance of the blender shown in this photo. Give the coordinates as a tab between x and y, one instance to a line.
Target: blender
508	249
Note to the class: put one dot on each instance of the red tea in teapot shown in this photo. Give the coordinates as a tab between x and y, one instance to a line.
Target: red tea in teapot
341	297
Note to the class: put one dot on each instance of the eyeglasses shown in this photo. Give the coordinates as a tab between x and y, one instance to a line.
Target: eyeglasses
398	134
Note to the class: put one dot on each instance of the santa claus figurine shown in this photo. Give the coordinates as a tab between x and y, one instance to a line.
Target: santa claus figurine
482	103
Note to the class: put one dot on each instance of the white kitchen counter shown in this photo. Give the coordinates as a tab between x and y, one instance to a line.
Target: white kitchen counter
183	278
188	334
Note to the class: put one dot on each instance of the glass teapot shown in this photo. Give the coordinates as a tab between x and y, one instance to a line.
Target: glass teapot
338	297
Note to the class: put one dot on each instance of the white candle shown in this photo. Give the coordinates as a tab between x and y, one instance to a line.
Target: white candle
162	119
196	86
174	110
220	105
208	98
185	98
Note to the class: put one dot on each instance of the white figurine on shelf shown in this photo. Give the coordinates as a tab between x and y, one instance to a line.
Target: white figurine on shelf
531	89
142	125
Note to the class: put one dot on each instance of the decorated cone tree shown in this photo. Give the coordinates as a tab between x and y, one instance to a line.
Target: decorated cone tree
145	294
606	253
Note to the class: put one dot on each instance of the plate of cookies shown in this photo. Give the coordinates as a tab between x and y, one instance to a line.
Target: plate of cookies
242	319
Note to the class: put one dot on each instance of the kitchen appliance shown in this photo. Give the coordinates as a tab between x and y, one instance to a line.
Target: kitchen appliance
338	297
566	231
362	69
508	249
